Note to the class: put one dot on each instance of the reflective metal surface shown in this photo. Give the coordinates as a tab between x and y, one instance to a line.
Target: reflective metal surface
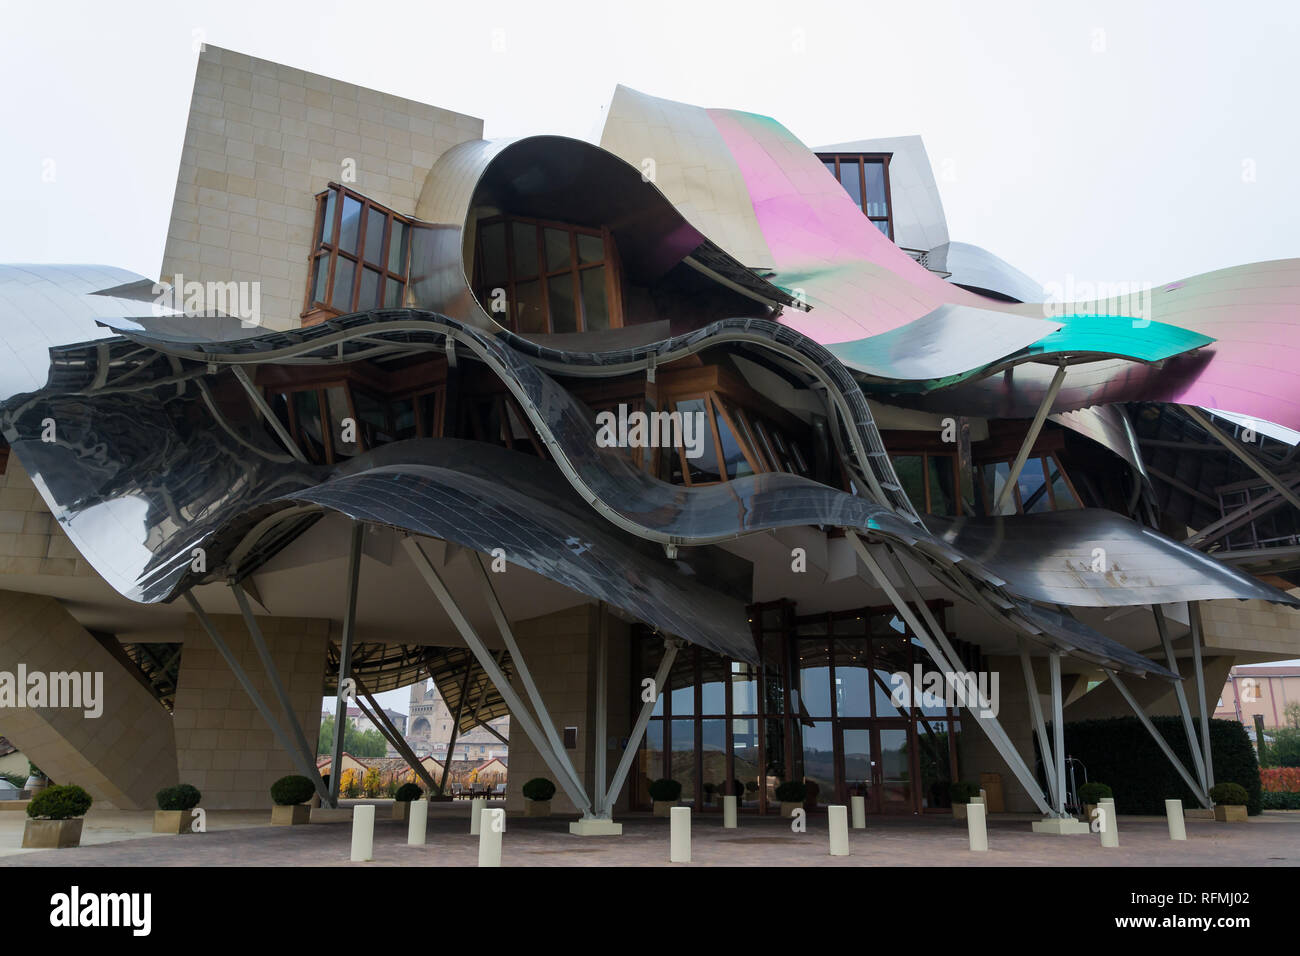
981	271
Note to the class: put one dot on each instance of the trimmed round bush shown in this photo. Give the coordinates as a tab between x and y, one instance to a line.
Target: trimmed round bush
183	796
539	789
1229	794
792	791
291	790
737	789
1092	792
961	791
666	791
408	792
59	803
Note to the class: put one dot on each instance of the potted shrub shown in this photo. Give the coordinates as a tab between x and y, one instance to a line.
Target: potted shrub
711	793
290	795
538	793
961	792
791	795
810	797
1090	795
665	794
402	798
174	805
36	779
54	817
1230	801
737	789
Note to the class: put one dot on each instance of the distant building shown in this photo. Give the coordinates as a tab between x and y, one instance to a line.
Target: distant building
1264	689
431	729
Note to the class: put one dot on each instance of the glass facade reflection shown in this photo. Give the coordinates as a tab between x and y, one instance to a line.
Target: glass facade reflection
827	706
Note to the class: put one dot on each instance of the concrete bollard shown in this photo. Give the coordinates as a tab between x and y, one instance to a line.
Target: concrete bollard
838	817
979	837
418	823
859	805
476	808
1109	825
363	833
729	812
1177	827
679	846
492	823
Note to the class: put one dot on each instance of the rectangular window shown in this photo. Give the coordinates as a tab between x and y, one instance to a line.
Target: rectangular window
865	177
366	266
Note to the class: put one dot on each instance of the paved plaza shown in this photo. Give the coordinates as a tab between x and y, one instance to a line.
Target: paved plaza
244	838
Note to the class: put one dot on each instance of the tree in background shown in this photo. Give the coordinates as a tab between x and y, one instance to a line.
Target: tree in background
359	743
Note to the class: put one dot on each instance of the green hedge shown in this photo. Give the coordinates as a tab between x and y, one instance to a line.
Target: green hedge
1280	801
1120	751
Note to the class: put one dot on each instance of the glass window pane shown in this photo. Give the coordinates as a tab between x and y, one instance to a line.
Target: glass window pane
530	308
733	457
814	678
327	223
403	418
558	255
492	253
830	165
525	246
372	416
350	226
698	440
747	761
376	223
1032	484
393	291
993	477
713	758
852	677
595	311
590	249
306	408
943	477
908	469
1065	500
370	286
849	179
896	770
713	683
744	688
936	762
891	674
397	248
322	267
819	762
681	685
883	226
651	758
876	200
345	271
559	289
683	758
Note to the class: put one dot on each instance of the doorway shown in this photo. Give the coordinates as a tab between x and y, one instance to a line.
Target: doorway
874	759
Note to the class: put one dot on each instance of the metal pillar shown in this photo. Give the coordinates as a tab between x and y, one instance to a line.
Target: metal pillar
1058	728
1031	436
937	646
1160	741
601	721
345	657
455	724
1198	638
375	714
671	646
570	785
272	419
272	672
306	767
1172	662
1040	727
521	669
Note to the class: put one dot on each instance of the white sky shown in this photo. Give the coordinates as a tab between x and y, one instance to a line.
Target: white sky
1102	140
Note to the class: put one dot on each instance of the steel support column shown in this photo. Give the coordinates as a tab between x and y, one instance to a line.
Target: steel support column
1196	415
1160	741
1036	426
570	785
306	767
634	739
1058	728
455	725
385	726
601	721
259	402
1203	706
1040	727
1171	662
345	656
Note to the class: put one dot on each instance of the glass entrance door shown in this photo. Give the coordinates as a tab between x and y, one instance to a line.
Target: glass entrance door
874	759
894	781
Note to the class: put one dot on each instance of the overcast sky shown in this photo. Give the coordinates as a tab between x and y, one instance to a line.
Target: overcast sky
1108	141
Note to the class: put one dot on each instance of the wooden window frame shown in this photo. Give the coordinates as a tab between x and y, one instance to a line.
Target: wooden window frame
860	159
609	262
314	310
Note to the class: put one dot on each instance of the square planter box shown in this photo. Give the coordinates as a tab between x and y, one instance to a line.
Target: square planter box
290	816
959	811
537	808
402	810
663	808
52	834
788	807
173	821
1226	814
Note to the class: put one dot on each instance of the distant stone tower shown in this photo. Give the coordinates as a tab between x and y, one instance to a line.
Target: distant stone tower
423	707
